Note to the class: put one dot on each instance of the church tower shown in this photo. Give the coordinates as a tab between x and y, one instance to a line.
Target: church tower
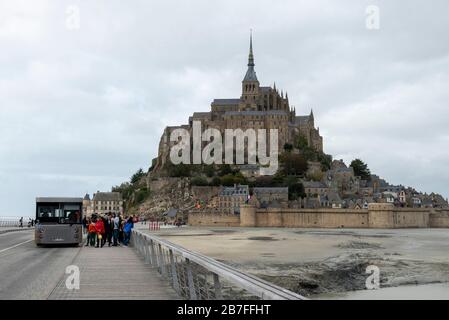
250	84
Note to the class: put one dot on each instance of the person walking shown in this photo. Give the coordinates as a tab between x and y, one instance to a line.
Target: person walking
87	231
85	225
108	227
120	230
115	229
129	225
92	236
21	222
99	226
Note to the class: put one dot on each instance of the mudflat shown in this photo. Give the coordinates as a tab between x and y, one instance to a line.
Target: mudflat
319	261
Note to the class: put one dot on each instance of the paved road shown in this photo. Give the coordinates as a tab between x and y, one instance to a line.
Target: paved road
30	272
27	271
11	229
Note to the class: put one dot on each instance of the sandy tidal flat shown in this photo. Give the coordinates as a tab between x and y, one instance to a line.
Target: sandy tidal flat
323	261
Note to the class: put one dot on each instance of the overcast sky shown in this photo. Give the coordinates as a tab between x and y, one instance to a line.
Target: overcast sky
82	106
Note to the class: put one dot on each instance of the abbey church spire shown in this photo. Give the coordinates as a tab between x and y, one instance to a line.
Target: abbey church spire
251	73
251	55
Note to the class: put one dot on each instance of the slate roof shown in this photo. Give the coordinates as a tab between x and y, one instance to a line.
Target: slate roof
201	115
107	196
250	74
256	113
302	120
226	102
314	184
270	190
333	196
235	191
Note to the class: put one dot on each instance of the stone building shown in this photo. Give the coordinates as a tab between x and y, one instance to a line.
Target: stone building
103	203
315	188
266	196
88	208
258	107
230	198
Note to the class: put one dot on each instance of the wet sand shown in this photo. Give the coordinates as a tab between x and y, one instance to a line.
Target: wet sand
320	261
437	291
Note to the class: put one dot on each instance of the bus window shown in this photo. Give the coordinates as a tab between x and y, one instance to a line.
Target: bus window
73	216
46	212
59	213
55	213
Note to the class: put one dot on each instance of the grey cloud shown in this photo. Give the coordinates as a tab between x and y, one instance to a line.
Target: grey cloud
82	110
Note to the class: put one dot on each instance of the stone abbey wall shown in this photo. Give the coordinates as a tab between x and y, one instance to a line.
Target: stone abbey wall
303	218
217	220
376	216
439	219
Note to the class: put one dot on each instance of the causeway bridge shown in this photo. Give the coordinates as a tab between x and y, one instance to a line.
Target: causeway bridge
150	268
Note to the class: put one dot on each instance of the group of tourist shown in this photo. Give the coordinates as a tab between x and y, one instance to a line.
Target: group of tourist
110	228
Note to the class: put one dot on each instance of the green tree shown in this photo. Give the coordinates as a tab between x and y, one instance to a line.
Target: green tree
264	181
137	176
239	178
227	180
125	189
225	169
293	164
361	169
315	176
209	170
141	195
215	182
278	179
231	179
301	142
179	170
199	181
296	191
288	147
325	160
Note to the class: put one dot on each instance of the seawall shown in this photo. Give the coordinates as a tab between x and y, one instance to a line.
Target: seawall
376	216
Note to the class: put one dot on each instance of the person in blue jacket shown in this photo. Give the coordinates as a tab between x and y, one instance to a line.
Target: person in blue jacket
129	225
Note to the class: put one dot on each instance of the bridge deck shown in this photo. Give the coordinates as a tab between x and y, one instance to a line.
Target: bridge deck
114	273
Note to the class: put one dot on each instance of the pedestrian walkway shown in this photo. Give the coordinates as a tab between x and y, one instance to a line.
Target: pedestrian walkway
114	273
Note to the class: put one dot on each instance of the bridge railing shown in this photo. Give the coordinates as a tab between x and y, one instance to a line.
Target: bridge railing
197	277
9	222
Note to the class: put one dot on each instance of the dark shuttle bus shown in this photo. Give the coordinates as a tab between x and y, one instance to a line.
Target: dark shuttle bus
59	221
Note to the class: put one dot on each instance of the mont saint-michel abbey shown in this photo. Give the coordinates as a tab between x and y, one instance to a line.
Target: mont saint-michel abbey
259	107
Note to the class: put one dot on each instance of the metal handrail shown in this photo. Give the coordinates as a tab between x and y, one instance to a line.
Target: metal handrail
11	222
148	244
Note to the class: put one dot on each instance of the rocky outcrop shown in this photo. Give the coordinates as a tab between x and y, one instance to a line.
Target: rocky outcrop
178	193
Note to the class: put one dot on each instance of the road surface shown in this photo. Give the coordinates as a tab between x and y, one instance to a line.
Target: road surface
27	271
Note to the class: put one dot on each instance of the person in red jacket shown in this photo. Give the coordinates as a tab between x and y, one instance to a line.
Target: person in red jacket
99	226
92	234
